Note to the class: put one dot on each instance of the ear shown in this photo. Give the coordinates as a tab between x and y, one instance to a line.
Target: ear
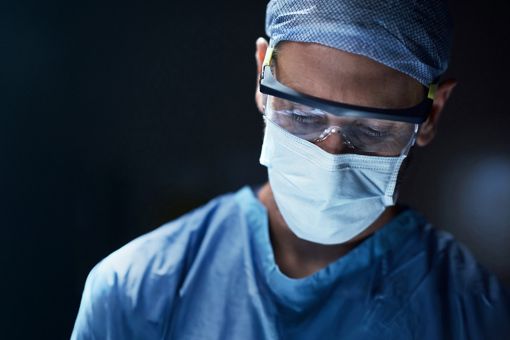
260	53
428	129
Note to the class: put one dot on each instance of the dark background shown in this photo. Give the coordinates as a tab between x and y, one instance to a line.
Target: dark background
117	117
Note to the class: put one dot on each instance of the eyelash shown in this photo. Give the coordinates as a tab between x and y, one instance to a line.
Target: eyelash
372	132
302	118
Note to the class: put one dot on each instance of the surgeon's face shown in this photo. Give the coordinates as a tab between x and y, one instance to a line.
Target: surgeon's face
340	76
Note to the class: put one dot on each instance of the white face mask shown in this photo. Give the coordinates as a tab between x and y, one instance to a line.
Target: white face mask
326	198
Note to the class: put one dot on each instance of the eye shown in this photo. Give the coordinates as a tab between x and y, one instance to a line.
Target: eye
374	132
303	118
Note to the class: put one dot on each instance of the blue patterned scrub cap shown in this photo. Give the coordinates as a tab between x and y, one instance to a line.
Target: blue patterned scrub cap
411	36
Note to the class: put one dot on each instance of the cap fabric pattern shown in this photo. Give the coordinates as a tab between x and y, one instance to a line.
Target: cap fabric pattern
411	36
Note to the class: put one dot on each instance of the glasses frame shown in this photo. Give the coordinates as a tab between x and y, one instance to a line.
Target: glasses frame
404	151
416	114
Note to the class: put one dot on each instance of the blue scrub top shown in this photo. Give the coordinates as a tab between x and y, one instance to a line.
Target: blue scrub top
211	274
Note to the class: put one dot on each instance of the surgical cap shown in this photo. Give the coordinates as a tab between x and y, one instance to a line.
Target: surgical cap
411	36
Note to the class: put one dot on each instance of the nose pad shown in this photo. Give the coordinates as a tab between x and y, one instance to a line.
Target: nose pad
332	141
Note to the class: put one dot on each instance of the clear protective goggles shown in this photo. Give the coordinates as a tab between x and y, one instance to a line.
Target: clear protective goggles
359	135
364	130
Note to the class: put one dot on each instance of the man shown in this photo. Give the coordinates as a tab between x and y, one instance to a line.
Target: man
322	251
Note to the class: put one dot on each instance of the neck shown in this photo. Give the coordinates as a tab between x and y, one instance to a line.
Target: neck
298	258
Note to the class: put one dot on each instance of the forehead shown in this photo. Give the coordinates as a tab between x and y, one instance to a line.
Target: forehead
336	75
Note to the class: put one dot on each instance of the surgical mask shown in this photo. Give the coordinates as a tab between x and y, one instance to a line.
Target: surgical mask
326	198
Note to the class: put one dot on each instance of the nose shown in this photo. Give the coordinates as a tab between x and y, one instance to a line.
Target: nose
334	143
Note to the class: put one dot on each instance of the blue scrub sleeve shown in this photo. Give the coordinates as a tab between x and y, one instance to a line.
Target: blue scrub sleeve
100	315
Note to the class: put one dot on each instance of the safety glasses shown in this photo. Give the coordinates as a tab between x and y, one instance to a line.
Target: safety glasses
366	136
364	130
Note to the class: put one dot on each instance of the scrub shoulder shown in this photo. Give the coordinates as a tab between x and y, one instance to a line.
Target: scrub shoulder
132	290
452	295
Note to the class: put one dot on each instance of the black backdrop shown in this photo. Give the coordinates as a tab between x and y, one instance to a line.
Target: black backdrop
117	117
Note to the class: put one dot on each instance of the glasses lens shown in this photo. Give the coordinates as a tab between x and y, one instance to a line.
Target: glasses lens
360	135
